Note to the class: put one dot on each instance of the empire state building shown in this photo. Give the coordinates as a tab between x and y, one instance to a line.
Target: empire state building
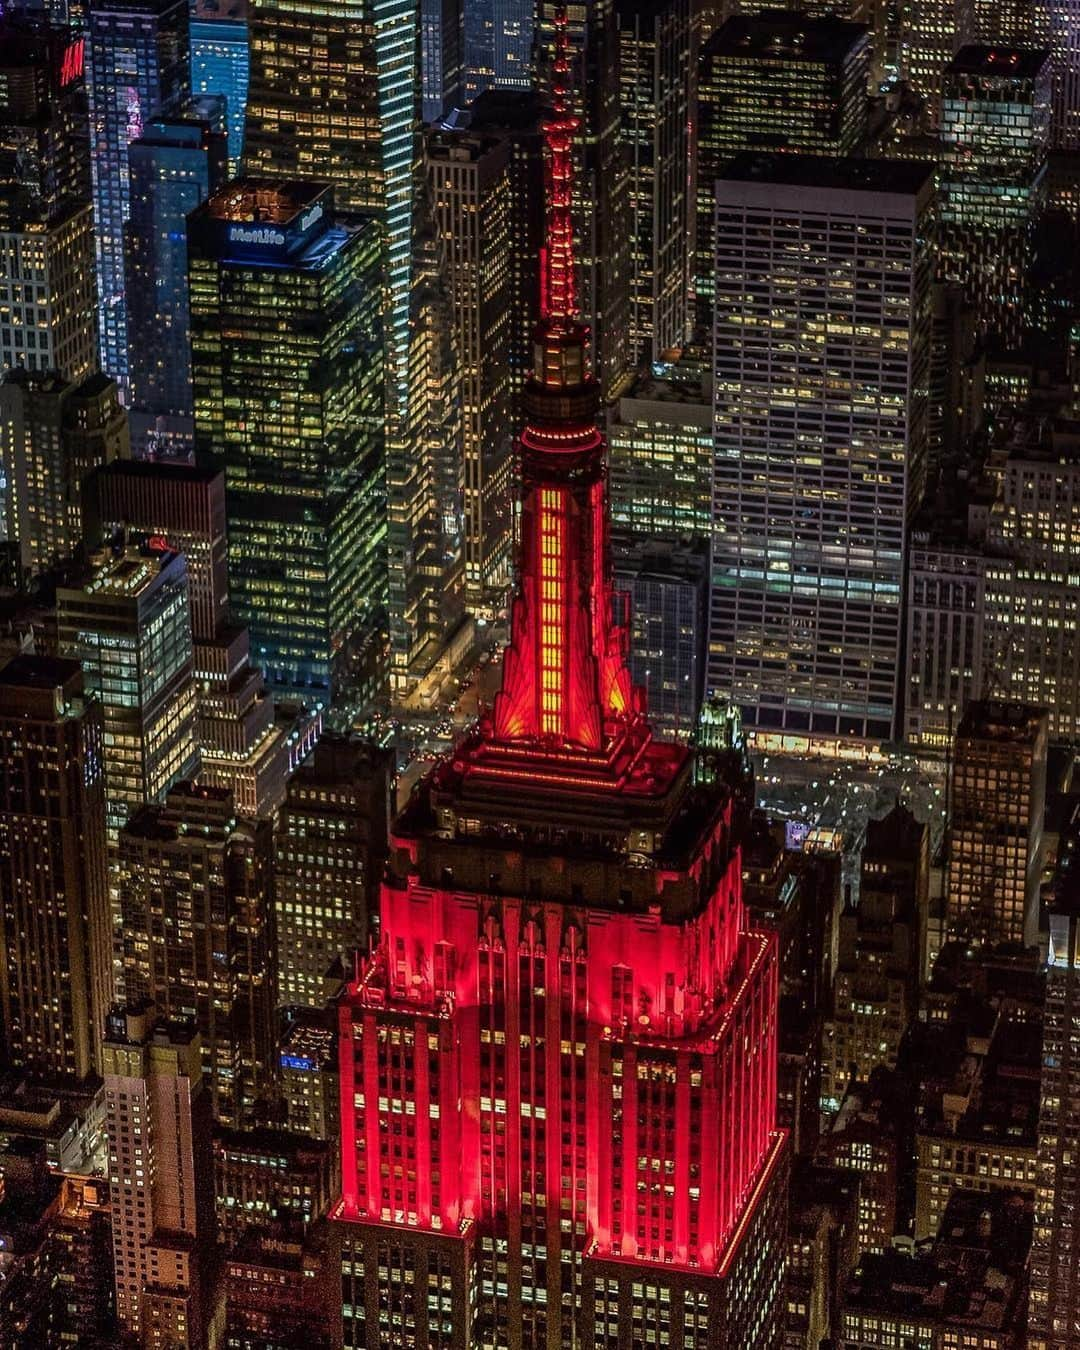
558	1068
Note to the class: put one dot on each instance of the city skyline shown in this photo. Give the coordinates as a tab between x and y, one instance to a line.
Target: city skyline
539	675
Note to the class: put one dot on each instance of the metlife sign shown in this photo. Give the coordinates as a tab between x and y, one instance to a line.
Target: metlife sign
263	235
311	217
273	243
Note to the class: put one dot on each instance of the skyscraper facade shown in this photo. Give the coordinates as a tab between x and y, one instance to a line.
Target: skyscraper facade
995	134
470	184
946	605
129	624
174	166
221	65
196	903
52	435
931	33
661	458
498	45
425	486
182	507
1054	1301
516	116
330	850
823	284
657	47
442	30
47	290
1057	28
876	984
995	828
137	58
667	587
287	361
313	101
55	978
772	81
991	608
161	1174
335	98
558	1067
247	744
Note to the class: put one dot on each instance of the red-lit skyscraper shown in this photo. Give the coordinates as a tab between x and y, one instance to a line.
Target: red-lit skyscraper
558	1068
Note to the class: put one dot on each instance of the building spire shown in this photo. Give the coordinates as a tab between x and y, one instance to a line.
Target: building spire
558	289
566	686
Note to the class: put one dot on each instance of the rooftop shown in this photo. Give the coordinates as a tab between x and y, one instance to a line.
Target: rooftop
972	1276
39	672
897	177
171	471
495	110
264	201
1015	63
787	35
691	396
262	223
129	575
993	719
897	834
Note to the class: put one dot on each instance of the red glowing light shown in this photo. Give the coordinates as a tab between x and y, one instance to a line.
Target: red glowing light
674	1023
504	1057
71	65
565	677
157	543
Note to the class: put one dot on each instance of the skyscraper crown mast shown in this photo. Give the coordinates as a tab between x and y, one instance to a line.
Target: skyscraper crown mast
566	686
558	1067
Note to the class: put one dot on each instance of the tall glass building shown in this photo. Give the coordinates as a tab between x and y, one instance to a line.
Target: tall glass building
175	164
220	65
137	53
995	134
129	623
441	31
498	45
287	363
335	98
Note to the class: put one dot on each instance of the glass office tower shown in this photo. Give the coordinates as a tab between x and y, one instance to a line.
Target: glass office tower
220	65
287	363
138	62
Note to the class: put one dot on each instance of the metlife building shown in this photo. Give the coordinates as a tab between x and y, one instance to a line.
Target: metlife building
287	364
